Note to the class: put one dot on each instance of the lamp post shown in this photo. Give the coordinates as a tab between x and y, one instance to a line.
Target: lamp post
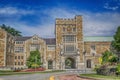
84	60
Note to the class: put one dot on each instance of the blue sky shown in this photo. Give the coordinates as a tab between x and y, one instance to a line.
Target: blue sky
100	17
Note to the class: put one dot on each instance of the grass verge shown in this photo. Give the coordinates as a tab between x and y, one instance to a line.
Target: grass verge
100	77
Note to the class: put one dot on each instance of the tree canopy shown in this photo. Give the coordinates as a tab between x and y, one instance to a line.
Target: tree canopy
110	57
11	30
34	60
116	42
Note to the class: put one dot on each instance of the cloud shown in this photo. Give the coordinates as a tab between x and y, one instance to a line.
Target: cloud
14	11
94	24
107	6
112	4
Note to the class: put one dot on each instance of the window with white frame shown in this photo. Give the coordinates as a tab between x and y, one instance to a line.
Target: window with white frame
69	48
34	47
51	47
19	49
69	38
19	42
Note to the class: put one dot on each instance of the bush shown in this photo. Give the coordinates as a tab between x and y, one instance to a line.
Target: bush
106	70
118	69
34	66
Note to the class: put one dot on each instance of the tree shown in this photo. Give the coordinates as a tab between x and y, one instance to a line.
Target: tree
34	60
105	56
116	42
110	57
11	30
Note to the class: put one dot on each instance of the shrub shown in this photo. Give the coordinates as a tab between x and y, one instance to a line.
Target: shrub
118	69
34	66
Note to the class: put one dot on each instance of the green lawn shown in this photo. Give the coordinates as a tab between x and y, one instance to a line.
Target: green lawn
101	77
3	73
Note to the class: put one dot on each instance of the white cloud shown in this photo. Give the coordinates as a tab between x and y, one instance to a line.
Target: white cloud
112	4
94	24
107	6
13	11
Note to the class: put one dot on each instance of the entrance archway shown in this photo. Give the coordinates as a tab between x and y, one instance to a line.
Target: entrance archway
50	64
69	63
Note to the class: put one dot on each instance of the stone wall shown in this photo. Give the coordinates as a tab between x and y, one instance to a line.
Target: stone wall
65	27
9	50
50	56
2	47
100	47
6	49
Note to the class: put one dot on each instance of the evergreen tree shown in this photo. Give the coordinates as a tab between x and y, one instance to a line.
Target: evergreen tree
34	59
116	42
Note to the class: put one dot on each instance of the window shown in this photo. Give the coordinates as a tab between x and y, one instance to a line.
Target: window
93	47
18	57
74	29
15	63
34	47
21	63
51	47
18	63
19	49
21	57
35	38
15	57
19	42
88	63
64	29
70	48
69	38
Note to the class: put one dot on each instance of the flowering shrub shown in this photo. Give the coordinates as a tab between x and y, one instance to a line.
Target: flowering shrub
33	69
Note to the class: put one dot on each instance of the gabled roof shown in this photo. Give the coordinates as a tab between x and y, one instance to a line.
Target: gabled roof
94	38
22	38
50	41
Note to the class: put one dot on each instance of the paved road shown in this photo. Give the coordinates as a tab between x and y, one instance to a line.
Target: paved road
37	76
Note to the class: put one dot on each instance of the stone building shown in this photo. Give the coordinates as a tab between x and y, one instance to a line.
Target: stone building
6	50
70	49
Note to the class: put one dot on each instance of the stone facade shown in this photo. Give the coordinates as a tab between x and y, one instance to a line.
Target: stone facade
6	49
70	49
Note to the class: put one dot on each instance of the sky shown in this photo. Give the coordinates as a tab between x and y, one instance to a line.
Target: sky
100	17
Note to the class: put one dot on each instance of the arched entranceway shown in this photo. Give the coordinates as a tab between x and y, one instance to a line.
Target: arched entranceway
69	63
50	64
89	63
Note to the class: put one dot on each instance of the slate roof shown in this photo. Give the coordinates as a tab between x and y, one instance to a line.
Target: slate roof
95	38
22	38
50	41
